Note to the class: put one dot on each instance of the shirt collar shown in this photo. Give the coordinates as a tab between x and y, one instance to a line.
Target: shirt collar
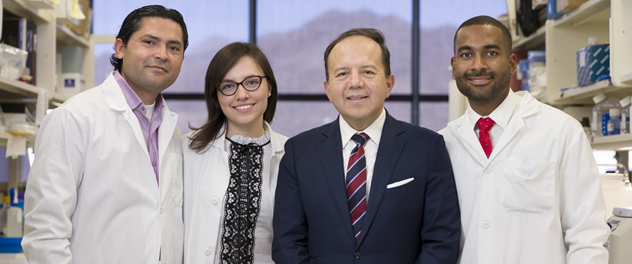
374	130
502	114
133	100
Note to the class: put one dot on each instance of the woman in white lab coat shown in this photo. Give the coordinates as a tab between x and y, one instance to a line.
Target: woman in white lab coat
231	162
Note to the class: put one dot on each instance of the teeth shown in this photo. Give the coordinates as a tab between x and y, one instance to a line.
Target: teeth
243	107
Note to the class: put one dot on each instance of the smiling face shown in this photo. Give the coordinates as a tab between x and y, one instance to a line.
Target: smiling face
152	57
482	67
357	83
244	109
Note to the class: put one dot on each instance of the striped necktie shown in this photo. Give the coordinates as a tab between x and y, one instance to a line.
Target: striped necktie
356	183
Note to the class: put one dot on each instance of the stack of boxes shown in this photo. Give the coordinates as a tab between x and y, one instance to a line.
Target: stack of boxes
593	64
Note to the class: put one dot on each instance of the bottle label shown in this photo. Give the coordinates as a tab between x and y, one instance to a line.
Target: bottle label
604	123
610	128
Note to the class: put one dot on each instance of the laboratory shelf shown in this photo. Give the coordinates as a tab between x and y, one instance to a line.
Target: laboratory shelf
4	136
41	4
23	9
593	11
584	94
13	258
17	87
58	98
537	4
626	78
614	142
66	36
12	90
533	41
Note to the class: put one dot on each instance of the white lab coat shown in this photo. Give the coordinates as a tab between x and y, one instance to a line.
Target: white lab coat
92	195
537	199
206	178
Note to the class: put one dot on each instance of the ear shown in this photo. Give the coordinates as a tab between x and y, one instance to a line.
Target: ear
513	62
119	47
390	83
453	63
326	86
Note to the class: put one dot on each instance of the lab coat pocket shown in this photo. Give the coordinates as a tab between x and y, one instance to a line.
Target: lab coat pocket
527	186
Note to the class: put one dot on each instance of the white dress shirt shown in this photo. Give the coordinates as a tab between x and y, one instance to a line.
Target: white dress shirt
370	148
501	116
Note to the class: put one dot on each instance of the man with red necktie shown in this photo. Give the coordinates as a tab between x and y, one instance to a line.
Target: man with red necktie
527	181
365	188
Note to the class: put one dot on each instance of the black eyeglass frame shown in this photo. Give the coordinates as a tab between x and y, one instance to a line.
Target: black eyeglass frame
237	84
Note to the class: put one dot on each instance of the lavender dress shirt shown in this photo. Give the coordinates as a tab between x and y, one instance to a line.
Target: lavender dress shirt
149	127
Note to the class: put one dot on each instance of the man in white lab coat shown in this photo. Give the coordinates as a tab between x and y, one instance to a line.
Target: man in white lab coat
527	182
106	183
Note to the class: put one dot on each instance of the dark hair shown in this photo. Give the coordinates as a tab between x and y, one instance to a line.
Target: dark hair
132	22
223	61
371	33
486	20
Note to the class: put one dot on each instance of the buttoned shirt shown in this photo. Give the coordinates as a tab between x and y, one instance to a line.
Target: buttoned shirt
149	126
370	147
501	116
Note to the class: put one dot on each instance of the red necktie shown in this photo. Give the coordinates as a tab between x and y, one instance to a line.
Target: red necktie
484	125
356	183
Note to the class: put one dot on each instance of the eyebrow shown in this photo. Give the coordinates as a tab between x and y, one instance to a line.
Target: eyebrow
486	47
361	67
177	42
249	76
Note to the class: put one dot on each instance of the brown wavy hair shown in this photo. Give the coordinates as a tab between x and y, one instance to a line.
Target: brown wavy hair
223	61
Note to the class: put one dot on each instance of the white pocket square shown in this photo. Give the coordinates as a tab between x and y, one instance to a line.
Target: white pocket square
399	183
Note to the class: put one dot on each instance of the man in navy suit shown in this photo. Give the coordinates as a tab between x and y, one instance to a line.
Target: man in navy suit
365	188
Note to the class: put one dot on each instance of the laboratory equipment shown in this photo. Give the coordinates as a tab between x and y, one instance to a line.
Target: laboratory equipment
620	239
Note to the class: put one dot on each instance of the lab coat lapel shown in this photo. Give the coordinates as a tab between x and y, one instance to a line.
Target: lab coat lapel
165	135
330	151
165	132
277	153
387	155
468	138
527	106
116	101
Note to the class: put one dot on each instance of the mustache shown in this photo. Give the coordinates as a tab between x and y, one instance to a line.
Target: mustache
479	74
158	63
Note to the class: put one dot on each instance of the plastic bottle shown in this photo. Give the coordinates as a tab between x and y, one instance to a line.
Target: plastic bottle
3	214
14	217
625	114
586	126
601	113
614	124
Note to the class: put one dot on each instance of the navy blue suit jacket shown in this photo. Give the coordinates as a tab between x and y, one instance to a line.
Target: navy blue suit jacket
418	222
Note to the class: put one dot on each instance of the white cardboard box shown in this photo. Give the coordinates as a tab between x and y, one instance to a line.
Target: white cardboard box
73	83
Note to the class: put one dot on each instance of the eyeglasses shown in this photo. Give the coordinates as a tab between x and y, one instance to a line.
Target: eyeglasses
250	84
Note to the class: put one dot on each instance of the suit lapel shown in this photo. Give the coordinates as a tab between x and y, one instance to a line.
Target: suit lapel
387	155
330	151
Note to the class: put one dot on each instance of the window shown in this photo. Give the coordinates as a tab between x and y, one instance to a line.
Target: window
211	25
294	35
